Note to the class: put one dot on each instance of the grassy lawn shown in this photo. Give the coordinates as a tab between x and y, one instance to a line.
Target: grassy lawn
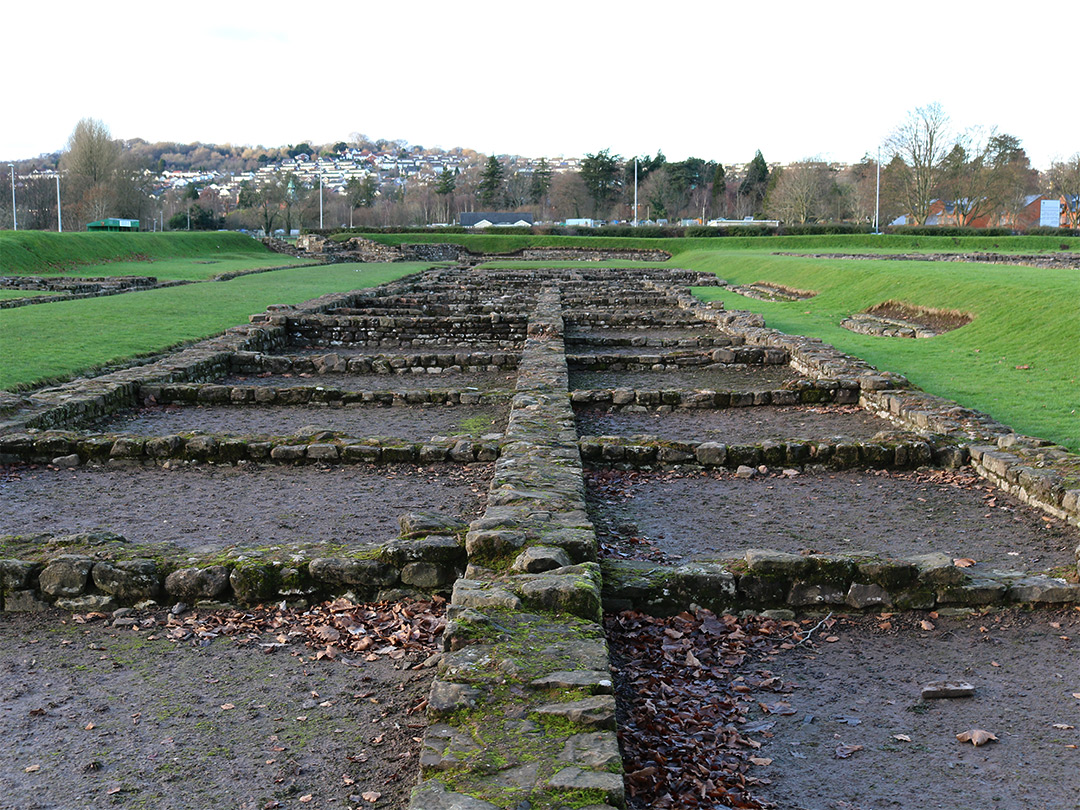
856	243
168	256
61	339
1018	360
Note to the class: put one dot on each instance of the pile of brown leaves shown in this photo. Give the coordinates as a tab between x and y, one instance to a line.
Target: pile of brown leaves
331	630
686	685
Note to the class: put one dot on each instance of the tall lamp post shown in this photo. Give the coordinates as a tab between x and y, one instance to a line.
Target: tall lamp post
14	218
59	215
877	195
320	201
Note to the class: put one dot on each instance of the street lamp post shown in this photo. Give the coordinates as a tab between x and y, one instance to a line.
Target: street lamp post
14	218
59	215
320	202
877	195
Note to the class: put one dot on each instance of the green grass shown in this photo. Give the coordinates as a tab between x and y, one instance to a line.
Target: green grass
25	293
862	243
168	256
58	340
1023	317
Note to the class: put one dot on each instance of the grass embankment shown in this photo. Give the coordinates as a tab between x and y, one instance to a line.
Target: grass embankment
1018	360
168	256
851	243
58	340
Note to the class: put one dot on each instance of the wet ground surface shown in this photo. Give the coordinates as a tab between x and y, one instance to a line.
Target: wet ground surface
829	713
204	508
405	381
736	425
102	717
708	378
408	422
708	515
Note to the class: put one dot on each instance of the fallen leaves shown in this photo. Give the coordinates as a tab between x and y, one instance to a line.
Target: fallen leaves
371	796
926	625
976	737
31	769
963	562
691	688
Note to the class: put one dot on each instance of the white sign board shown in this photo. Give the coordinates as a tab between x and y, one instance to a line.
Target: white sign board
1050	214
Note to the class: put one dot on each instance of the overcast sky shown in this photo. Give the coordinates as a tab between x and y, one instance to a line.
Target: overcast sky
715	80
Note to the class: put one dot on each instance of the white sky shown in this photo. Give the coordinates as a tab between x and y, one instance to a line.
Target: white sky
715	80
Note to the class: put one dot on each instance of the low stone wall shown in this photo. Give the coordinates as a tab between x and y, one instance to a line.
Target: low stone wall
769	579
526	616
239	395
878	326
67	449
385	364
504	329
684	358
648	453
800	392
97	572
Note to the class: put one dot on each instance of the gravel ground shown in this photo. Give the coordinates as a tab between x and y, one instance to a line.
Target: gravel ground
735	425
711	378
103	717
205	508
703	515
407	422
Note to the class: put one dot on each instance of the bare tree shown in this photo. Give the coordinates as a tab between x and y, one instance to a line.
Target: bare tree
921	142
801	193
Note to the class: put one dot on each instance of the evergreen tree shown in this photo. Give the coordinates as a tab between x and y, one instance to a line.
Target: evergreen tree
601	175
756	182
541	182
491	181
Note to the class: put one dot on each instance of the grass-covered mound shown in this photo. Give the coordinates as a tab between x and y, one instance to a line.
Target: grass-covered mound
1017	359
495	242
58	340
173	255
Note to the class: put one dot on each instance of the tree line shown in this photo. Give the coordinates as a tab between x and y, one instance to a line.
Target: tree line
982	174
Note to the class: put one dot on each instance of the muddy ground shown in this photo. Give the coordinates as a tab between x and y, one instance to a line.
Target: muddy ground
736	377
700	515
736	425
94	717
408	381
833	717
207	508
406	422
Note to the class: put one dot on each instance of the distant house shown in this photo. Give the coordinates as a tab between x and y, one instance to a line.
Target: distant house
494	219
113	224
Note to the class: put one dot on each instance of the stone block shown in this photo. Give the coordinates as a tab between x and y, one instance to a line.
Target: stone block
1043	590
129	581
469	593
937	569
88	603
322	452
494	542
427	575
537	559
23	602
867	595
973	592
773	563
597	711
16	575
804	594
711	454
193	584
201	447
65	576
434	795
288	452
366	575
420	524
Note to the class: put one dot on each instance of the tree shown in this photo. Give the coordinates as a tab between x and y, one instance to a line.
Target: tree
719	187
1064	176
801	192
922	143
600	173
541	182
568	195
491	180
755	184
264	196
90	163
444	188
